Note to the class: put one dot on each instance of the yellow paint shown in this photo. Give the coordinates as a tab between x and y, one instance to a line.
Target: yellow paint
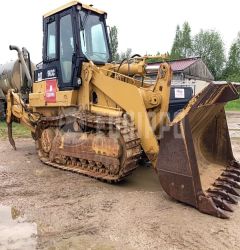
63	99
39	87
147	105
106	110
70	4
129	98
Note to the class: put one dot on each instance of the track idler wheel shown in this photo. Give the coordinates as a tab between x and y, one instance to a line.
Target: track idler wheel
46	140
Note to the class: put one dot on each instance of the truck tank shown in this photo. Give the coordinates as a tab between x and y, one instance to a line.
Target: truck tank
13	76
9	77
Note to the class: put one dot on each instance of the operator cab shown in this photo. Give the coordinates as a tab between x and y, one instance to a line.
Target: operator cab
73	34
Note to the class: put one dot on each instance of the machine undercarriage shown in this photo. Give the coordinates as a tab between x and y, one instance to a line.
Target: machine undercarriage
102	147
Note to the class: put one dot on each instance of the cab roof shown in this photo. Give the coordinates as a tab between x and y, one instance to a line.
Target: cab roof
70	4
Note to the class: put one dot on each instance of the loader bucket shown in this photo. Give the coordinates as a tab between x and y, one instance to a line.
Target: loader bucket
195	164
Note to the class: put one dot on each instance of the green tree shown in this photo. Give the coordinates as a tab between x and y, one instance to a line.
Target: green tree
114	43
186	40
126	55
232	70
176	48
209	46
182	44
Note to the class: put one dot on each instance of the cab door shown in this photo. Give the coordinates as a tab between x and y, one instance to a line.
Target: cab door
67	51
60	51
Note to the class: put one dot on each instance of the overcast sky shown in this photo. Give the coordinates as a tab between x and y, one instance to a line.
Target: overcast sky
145	26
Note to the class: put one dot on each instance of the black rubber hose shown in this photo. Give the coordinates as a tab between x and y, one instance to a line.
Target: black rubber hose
136	55
121	63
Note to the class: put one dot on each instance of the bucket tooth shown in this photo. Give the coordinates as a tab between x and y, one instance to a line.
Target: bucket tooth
226	196
227	187
233	170
231	175
229	181
235	164
208	206
222	204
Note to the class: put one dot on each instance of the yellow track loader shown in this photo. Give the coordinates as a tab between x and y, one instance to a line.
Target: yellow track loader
94	117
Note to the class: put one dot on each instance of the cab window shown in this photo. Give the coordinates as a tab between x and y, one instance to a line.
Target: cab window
51	40
66	48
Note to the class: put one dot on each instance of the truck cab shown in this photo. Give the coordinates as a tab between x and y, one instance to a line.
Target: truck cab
73	34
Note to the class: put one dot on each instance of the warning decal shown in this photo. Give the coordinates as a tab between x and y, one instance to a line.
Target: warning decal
51	89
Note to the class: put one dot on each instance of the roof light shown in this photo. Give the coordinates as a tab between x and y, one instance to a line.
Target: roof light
79	7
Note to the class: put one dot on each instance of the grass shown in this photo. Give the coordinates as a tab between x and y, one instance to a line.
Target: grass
233	105
19	131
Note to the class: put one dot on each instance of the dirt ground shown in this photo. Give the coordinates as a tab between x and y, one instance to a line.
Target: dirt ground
45	208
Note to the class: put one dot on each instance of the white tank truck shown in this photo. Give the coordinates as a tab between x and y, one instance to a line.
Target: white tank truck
13	76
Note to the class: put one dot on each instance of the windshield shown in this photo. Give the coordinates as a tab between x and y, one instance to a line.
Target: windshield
93	37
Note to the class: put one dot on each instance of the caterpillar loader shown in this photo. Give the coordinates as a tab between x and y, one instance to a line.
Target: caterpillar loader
96	117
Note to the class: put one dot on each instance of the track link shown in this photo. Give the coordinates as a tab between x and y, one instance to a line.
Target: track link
130	143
